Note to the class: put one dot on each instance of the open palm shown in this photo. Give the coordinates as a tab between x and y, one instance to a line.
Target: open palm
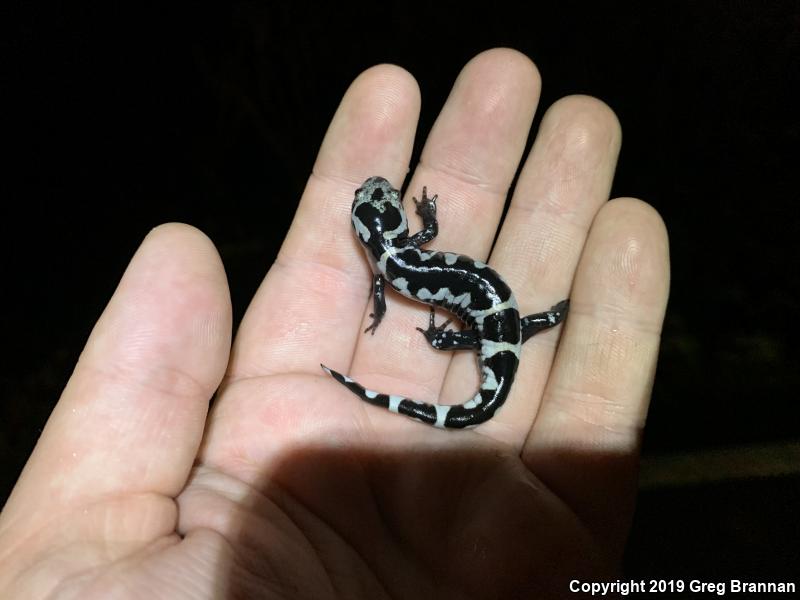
293	488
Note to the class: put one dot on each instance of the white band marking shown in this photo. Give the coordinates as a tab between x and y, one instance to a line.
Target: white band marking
441	414
489	348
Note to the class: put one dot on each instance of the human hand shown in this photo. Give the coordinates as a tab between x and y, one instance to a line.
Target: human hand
293	488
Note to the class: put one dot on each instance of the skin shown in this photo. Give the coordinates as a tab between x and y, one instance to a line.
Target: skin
291	487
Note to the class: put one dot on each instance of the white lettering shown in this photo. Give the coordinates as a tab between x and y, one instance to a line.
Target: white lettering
604	588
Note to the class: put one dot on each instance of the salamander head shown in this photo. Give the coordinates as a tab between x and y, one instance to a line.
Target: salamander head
378	215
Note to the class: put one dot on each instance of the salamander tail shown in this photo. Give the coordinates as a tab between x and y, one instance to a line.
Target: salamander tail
438	415
359	390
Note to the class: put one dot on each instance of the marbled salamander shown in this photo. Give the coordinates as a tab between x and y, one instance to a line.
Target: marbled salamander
468	288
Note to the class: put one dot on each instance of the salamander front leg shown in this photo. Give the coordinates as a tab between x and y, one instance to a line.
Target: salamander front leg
448	339
426	208
378	303
533	324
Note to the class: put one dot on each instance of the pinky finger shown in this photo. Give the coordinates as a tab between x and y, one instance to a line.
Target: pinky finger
585	441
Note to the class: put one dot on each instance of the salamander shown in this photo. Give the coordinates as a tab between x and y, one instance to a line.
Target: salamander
466	287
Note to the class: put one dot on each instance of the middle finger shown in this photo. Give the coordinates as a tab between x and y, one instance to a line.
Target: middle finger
565	181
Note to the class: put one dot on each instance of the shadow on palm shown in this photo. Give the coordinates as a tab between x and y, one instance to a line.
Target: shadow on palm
450	522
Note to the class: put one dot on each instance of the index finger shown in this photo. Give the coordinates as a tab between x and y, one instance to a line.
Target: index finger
315	293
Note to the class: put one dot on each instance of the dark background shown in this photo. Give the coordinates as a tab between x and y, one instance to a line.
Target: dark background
118	119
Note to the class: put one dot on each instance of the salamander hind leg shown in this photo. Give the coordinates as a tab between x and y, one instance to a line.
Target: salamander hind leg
448	339
533	324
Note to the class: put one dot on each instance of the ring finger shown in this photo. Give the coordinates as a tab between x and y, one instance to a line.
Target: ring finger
563	184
